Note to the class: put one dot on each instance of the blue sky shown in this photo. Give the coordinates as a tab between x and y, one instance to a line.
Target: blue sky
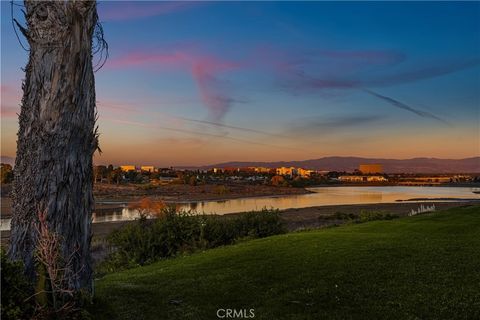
192	83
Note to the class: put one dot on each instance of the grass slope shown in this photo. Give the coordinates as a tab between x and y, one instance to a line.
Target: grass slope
424	267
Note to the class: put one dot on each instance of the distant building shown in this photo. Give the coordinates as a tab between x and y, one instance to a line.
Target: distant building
147	168
262	169
286	171
371	168
357	178
304	173
127	168
429	179
229	170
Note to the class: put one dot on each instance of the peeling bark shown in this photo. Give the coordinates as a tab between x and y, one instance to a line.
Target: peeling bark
57	135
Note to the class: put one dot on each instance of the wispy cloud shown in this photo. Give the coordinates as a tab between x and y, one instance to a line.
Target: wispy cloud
122	107
200	134
212	90
370	57
432	70
204	70
121	11
404	106
326	125
320	71
222	125
115	106
302	77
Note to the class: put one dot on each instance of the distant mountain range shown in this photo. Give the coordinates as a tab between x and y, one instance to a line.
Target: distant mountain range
415	165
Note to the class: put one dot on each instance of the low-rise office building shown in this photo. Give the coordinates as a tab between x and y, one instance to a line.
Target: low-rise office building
357	178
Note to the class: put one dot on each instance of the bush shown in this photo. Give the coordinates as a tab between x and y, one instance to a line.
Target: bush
217	231
147	240
16	290
259	224
366	215
50	298
343	216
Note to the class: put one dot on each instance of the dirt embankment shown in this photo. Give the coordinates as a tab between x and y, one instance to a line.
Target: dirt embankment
185	193
323	216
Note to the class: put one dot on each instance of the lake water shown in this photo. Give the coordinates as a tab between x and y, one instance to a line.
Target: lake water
321	196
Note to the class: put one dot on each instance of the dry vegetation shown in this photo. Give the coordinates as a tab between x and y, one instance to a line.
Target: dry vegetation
181	192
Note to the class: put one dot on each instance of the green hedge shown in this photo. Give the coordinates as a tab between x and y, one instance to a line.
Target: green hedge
144	241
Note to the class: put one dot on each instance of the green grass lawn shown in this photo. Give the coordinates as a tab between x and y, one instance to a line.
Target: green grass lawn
423	267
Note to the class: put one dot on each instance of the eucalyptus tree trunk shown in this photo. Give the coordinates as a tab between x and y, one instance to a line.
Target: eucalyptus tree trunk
57	136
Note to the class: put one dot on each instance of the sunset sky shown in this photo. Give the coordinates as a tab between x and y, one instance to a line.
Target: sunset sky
207	82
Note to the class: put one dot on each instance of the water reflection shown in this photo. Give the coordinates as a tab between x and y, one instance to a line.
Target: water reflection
120	214
322	196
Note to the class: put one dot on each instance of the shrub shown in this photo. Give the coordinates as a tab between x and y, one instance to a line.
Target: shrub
147	240
344	216
366	215
217	231
50	297
259	224
16	290
148	208
54	297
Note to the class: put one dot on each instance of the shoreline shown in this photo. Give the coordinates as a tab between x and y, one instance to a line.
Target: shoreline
109	197
109	204
321	216
299	218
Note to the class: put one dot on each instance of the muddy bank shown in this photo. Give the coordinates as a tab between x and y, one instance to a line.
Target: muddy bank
321	216
186	193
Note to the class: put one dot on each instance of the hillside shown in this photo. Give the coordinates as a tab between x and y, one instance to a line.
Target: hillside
415	165
423	267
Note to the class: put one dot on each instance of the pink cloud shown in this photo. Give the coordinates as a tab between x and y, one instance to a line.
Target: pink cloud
213	94
322	71
203	69
120	11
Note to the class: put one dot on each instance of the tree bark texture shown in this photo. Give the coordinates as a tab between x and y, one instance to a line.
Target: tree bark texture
57	136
